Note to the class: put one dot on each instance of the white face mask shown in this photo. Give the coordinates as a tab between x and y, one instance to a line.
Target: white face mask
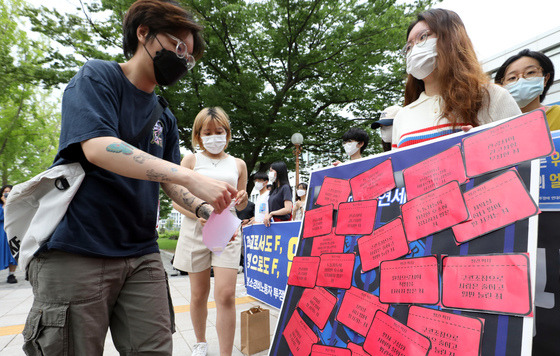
214	143
421	60
259	186
300	192
524	91
350	147
271	177
386	133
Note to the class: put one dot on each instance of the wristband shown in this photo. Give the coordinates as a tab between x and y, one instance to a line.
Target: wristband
198	208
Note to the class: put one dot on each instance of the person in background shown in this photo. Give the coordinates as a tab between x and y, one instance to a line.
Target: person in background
280	198
385	125
212	133
101	267
527	76
446	89
299	206
6	258
261	204
354	142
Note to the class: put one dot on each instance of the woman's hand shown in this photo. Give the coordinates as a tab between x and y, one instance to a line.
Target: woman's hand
466	128
242	198
267	219
336	163
202	221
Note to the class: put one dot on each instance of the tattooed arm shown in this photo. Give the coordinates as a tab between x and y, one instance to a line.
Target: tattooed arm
119	157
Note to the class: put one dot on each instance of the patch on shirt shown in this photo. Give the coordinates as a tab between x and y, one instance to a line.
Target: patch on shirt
157	133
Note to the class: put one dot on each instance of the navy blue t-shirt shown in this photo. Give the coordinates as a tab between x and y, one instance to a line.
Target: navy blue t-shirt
276	200
110	215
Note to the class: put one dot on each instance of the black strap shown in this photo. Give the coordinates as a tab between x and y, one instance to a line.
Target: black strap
154	116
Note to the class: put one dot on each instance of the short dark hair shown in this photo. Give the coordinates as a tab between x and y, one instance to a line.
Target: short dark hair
159	16
544	62
260	175
356	134
4	188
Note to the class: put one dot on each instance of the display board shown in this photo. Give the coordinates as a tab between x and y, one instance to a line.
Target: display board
549	199
437	254
268	254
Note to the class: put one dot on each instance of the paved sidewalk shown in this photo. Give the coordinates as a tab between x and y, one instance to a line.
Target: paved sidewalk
16	300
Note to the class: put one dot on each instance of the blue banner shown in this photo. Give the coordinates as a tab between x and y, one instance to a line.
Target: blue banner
549	183
269	252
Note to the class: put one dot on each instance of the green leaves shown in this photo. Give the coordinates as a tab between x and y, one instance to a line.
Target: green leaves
275	66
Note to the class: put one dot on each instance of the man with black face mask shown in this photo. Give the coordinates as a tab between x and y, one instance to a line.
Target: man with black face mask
101	267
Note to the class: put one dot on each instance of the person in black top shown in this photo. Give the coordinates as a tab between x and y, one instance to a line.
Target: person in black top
280	199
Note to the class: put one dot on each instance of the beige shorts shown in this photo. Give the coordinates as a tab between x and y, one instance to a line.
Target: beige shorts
192	255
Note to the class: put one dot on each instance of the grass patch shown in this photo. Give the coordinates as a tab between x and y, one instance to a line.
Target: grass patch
167	244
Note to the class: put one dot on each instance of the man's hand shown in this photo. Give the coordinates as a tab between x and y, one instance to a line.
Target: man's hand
217	193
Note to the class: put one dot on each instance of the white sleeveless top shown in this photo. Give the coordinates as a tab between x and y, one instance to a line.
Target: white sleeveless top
224	169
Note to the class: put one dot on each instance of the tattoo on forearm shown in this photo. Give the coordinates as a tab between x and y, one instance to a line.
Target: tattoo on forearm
157	177
205	211
121	147
188	199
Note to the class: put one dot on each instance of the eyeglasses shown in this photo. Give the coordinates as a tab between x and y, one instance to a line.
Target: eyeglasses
528	73
420	40
182	52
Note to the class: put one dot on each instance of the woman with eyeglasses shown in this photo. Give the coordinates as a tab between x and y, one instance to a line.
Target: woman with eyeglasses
446	88
527	76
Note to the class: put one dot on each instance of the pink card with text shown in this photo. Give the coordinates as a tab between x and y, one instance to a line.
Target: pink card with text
521	139
496	283
389	337
374	182
358	308
335	270
356	349
451	334
299	336
494	204
356	218
411	280
322	350
303	271
318	221
330	243
333	191
386	243
317	304
434	172
433	212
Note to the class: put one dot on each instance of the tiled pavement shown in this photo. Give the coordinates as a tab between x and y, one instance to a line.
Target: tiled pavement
16	300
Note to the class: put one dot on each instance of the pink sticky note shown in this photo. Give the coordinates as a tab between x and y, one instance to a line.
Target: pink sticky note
389	337
451	334
330	243
494	204
435	211
434	172
356	218
386	243
492	283
299	336
335	270
218	230
411	280
374	182
521	139
317	304
358	308
318	221
322	350
356	349
333	191
303	271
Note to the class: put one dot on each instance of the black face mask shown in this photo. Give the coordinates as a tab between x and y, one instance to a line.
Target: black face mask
168	68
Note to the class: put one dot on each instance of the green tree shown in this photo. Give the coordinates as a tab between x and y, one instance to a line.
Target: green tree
276	66
29	124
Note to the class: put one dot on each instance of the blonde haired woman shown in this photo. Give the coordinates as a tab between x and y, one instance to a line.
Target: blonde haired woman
211	133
